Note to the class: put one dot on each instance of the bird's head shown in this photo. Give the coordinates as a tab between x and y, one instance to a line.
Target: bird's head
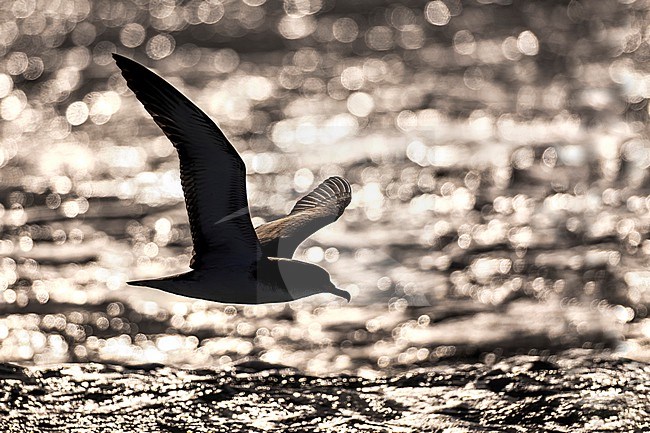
303	279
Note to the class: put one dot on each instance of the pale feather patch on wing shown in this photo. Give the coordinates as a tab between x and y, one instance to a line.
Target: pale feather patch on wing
240	212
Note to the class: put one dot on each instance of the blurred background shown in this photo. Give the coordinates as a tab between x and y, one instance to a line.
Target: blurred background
498	153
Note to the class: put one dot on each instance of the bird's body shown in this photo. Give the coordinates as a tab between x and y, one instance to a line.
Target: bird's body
261	283
232	262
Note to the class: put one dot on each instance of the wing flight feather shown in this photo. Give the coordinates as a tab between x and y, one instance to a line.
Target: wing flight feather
322	206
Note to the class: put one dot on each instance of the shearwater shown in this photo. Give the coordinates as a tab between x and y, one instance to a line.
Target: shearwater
232	262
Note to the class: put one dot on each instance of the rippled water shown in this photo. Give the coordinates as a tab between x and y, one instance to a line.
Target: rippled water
498	156
579	393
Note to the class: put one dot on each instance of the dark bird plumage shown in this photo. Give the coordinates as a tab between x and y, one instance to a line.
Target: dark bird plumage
232	262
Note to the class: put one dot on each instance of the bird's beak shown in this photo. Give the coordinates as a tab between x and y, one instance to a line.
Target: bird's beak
342	293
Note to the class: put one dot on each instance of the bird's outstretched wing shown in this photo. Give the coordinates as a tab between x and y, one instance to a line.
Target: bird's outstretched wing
324	205
212	173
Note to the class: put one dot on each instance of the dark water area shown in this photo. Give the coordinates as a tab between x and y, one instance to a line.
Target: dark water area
578	393
496	246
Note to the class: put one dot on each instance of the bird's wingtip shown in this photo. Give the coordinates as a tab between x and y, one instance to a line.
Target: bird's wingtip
122	61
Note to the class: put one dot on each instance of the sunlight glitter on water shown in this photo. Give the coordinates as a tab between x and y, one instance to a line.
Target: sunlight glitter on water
484	195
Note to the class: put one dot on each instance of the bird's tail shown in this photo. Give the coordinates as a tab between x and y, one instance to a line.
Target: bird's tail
162	282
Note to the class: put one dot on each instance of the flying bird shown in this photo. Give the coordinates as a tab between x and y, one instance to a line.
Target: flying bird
232	262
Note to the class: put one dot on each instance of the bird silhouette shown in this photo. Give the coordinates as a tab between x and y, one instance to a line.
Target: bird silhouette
232	262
